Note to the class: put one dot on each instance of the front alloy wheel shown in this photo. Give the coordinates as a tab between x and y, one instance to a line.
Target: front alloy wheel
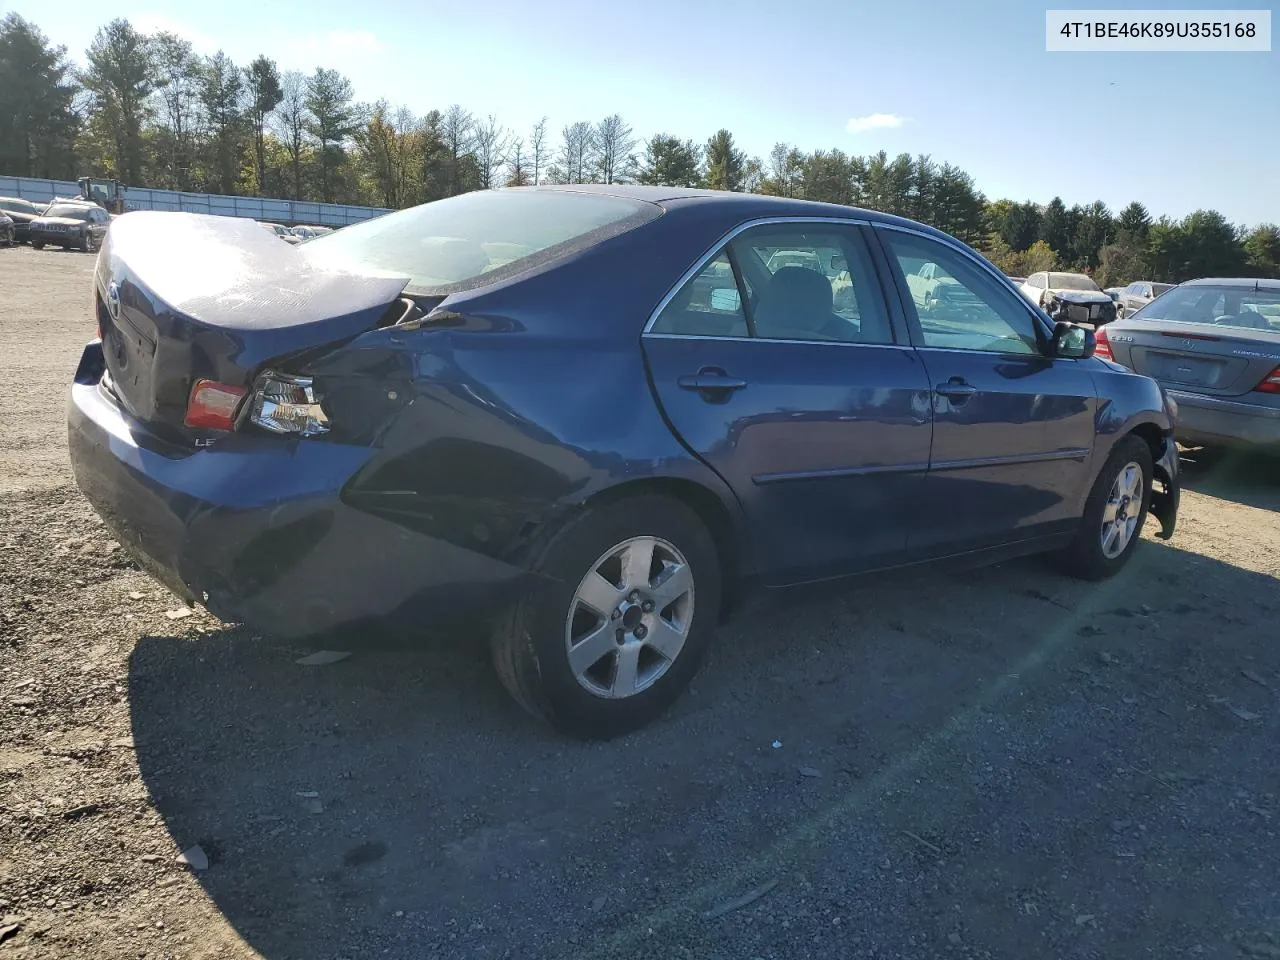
1114	513
1122	511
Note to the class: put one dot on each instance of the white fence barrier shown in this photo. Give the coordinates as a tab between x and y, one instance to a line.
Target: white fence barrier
258	208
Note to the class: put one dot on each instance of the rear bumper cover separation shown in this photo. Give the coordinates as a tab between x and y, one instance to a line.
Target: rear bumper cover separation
255	529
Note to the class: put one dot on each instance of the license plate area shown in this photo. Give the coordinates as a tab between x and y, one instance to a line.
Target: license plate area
1184	369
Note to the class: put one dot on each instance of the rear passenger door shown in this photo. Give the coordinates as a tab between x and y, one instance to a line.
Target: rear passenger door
779	363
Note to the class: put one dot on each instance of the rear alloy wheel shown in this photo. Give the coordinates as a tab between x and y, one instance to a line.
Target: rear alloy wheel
1114	513
632	593
629	618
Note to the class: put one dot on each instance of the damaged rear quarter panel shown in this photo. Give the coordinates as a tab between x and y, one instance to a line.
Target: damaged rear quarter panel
504	418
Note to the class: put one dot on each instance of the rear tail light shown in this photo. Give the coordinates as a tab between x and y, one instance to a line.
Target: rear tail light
1102	344
213	405
284	404
1272	382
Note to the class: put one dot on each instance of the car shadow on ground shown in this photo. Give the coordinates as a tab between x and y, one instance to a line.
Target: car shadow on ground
1240	476
967	755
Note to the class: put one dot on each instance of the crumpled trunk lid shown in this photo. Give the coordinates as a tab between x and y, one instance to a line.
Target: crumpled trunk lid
183	297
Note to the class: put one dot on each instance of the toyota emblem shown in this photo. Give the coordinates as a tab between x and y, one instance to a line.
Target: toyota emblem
113	300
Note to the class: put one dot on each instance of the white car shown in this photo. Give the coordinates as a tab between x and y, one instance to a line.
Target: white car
1069	296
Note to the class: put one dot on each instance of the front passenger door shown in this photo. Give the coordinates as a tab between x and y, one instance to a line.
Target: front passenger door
1013	426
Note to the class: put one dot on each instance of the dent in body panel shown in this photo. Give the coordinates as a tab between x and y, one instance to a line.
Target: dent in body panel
491	439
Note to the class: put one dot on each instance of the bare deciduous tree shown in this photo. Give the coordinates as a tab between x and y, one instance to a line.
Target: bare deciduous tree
538	149
291	120
614	150
457	131
576	150
177	88
491	140
517	171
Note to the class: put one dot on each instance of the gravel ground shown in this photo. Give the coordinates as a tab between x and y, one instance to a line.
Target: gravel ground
998	763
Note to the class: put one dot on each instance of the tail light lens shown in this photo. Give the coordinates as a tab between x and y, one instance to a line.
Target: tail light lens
213	405
1272	382
284	404
1102	343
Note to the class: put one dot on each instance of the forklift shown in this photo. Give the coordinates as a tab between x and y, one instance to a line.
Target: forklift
108	194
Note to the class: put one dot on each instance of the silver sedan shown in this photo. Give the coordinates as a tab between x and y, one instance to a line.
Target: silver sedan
1214	346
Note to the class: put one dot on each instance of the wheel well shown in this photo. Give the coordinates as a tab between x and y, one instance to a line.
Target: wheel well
710	510
1152	436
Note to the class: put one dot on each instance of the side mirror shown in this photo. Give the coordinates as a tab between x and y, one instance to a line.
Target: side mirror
1073	341
725	300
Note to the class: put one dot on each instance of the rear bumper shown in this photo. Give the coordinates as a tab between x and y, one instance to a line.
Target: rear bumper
256	530
1217	422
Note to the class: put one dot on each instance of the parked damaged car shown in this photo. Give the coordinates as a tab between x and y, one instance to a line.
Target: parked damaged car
1073	297
594	418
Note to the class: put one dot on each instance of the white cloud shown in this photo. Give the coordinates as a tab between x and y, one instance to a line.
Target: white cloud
874	121
161	22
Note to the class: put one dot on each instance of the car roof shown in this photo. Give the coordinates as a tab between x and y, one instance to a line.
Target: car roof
746	205
1258	283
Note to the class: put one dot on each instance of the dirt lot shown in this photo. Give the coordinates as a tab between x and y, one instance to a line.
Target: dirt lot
1001	763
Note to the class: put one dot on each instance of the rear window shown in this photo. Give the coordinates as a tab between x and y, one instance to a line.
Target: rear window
1159	288
1071	281
16	206
1238	307
69	210
479	237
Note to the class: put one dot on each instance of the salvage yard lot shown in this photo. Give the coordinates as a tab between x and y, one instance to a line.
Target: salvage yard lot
996	763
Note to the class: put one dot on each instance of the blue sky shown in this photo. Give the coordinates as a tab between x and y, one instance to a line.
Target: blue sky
970	84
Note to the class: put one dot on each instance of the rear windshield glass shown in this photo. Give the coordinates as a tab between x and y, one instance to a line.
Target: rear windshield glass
1071	281
16	206
1238	307
69	210
479	237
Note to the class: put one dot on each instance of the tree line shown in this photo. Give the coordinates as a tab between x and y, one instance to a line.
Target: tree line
148	110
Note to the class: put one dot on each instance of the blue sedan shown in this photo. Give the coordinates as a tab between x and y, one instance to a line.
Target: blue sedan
591	416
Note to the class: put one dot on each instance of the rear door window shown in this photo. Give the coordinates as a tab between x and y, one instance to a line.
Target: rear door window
791	281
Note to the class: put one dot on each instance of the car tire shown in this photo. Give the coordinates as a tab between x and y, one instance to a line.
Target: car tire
583	697
1110	511
37	245
86	244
